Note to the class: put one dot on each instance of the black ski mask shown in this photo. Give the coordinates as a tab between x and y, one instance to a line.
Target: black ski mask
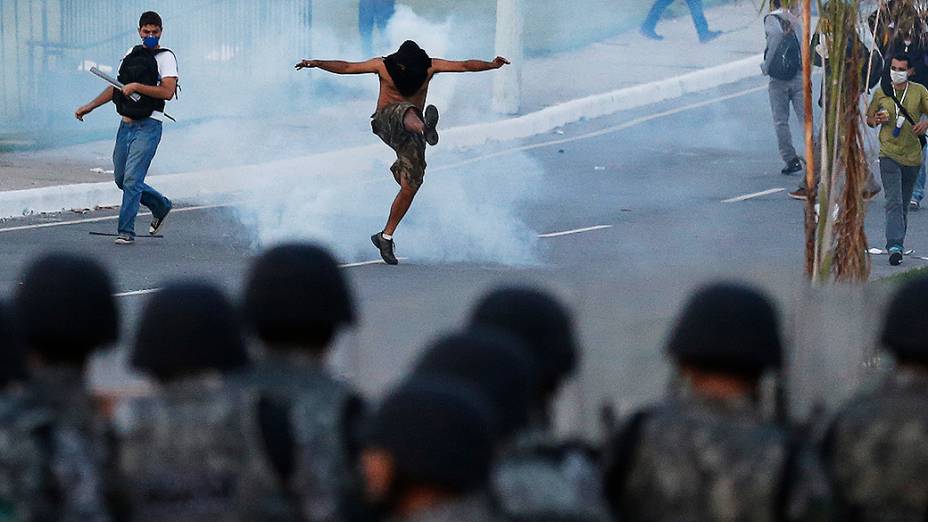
408	67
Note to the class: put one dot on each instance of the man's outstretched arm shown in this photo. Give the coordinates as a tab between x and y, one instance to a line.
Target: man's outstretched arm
342	67
440	66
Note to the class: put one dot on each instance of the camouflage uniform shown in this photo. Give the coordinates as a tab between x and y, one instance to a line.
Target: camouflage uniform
695	459
389	124
472	508
540	478
322	412
72	441
22	461
188	453
877	450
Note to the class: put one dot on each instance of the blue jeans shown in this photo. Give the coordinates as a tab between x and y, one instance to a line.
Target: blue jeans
699	18
136	143
919	193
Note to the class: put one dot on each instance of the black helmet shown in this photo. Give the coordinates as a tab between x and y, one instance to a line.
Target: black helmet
438	435
728	327
905	328
491	361
543	324
65	309
188	328
296	295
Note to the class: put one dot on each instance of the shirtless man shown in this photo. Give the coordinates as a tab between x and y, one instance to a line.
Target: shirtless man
402	120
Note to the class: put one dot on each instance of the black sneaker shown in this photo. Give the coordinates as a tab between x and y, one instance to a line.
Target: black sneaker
915	205
124	239
792	167
431	122
895	256
157	222
386	248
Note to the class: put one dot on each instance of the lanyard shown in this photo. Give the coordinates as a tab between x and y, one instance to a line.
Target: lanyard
901	100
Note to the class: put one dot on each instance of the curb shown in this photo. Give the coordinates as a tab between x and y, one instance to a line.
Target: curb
214	185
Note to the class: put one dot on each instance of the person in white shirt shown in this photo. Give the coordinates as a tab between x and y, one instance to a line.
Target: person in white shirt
150	71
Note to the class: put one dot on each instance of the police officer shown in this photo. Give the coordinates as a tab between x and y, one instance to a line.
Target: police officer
296	301
65	313
186	452
540	475
493	364
22	461
428	453
875	447
705	452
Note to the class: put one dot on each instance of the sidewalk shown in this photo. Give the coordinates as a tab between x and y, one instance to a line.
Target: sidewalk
619	62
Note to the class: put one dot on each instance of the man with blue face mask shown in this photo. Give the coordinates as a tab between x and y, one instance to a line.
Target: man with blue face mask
149	71
898	109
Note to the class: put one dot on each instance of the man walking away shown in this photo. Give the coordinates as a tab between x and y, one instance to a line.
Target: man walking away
783	64
150	71
898	109
699	19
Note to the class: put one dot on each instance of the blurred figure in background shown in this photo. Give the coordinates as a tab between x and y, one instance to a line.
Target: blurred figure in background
23	462
540	475
66	312
783	64
296	301
428	454
373	14
188	451
876	449
648	28
706	452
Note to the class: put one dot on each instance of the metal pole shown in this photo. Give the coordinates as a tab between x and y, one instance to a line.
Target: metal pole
507	82
811	186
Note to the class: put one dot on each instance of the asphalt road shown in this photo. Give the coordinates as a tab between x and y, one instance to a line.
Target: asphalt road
672	195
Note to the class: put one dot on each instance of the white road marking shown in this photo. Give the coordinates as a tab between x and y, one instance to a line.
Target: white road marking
346	265
575	231
367	263
607	130
754	195
98	219
137	292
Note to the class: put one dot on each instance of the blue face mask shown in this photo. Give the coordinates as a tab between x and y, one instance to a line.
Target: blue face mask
150	41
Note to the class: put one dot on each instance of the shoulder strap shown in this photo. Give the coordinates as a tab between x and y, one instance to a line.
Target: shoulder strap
624	445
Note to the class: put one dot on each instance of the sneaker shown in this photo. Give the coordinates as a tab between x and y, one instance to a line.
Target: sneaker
895	256
871	195
386	248
431	122
792	167
156	223
124	239
799	193
914	205
709	36
649	33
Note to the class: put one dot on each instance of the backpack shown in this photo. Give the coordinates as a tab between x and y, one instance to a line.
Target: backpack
787	58
139	66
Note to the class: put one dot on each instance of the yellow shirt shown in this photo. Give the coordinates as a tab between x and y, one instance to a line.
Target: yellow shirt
905	148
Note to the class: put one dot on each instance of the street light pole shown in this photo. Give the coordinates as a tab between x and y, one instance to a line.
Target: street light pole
507	82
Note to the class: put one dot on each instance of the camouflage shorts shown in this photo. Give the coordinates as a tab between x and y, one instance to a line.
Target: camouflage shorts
388	124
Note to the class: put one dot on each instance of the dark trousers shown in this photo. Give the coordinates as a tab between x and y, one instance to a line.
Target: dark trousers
699	18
